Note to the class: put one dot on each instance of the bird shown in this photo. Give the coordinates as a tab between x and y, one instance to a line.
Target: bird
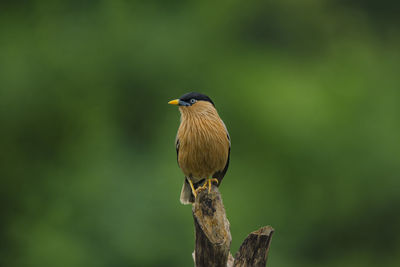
203	145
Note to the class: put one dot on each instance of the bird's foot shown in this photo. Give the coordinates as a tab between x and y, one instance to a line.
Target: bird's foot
194	191
208	183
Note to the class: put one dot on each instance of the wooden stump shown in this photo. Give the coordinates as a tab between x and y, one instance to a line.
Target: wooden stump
254	249
213	237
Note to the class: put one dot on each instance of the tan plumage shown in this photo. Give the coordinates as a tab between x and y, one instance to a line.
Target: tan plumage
202	143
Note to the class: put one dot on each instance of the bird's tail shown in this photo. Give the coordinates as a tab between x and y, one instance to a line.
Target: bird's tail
186	193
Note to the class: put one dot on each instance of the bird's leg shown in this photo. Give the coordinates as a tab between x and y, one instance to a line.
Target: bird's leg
210	182
203	187
207	182
193	190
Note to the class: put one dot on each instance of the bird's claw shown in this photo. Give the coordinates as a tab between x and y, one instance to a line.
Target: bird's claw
208	183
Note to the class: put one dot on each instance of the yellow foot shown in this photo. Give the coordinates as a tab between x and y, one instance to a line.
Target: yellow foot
193	190
207	182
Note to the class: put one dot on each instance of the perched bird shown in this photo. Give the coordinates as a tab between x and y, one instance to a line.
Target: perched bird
202	145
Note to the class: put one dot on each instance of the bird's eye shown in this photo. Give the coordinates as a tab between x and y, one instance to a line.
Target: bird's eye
192	101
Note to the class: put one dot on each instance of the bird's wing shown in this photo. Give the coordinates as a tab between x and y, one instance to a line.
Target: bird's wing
220	174
177	149
227	134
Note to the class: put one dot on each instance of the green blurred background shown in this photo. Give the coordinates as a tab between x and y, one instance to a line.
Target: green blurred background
309	91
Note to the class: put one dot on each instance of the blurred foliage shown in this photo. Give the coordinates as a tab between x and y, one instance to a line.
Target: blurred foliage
309	91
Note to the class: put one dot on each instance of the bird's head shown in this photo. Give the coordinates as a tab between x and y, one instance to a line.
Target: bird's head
193	102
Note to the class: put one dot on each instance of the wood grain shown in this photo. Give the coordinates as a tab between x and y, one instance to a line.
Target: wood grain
213	237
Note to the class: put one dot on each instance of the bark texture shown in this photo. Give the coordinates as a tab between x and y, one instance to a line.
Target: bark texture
213	237
254	249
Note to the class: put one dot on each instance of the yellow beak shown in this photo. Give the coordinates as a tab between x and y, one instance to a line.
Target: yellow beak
174	102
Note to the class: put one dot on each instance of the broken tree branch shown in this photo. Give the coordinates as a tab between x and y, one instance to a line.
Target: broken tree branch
213	237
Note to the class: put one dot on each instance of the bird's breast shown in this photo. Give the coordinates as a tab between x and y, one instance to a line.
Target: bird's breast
203	148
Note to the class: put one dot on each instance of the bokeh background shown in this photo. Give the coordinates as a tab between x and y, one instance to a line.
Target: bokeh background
309	91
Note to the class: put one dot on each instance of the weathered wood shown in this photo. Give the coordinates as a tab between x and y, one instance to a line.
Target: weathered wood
254	249
213	237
